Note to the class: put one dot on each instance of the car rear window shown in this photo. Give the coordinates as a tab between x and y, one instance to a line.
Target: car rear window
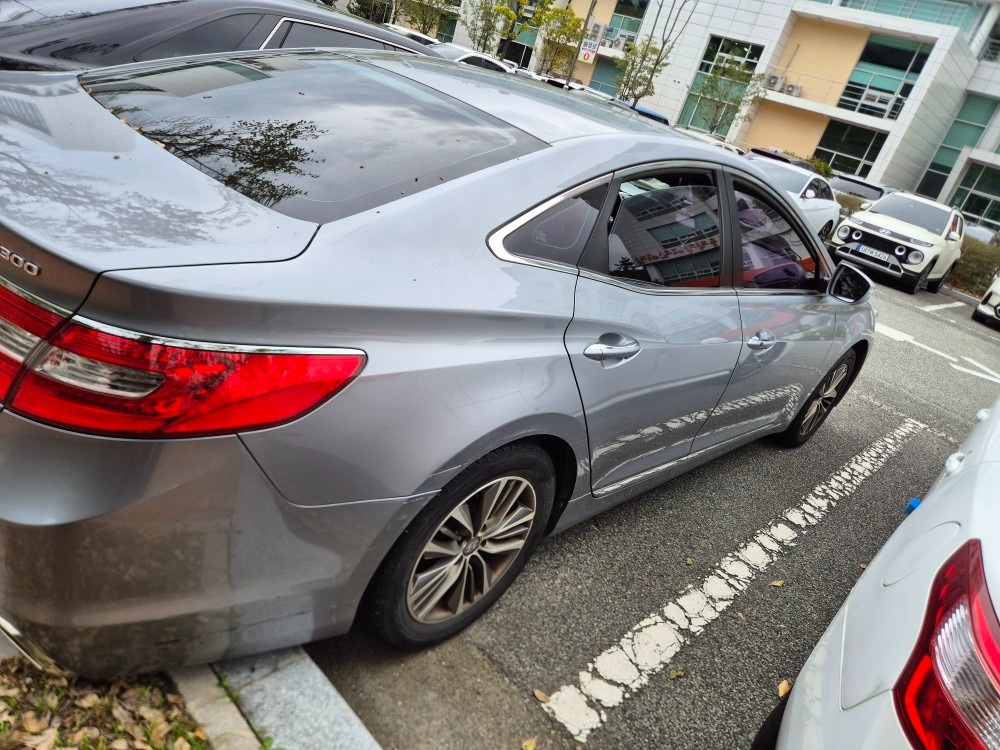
860	189
315	135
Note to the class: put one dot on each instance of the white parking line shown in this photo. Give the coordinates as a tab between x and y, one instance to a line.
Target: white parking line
930	308
908	339
993	377
620	671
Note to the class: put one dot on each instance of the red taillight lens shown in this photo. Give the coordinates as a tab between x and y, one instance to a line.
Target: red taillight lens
948	697
92	379
22	326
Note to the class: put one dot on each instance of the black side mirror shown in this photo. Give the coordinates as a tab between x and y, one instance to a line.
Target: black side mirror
850	284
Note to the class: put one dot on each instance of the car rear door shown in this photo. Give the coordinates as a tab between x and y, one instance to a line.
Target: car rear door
656	331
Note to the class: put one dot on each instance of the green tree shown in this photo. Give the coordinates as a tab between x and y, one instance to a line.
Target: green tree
646	58
425	15
376	11
561	30
515	21
483	20
727	93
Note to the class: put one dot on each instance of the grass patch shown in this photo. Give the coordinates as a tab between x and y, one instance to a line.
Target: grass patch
975	271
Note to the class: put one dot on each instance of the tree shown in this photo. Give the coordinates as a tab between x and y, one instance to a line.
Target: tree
727	92
512	12
425	15
561	30
647	59
376	11
483	20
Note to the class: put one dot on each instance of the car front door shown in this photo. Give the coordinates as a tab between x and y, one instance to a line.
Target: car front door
788	322
656	331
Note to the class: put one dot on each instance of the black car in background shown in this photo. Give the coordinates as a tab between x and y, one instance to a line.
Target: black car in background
70	34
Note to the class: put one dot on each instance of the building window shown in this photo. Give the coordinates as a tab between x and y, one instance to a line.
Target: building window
884	76
849	148
978	197
969	125
948	12
719	50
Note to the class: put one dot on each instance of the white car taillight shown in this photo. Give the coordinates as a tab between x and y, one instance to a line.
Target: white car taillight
948	697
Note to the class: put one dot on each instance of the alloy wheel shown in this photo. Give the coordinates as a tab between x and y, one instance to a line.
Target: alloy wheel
471	549
824	399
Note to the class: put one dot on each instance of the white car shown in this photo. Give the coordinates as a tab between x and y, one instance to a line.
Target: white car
712	138
810	192
909	238
468	56
988	308
912	660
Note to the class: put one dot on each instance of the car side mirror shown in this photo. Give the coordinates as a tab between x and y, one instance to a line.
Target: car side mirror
953	236
810	193
865	205
850	284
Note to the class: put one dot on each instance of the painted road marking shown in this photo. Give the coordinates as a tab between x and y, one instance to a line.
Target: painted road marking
908	339
990	375
618	673
945	306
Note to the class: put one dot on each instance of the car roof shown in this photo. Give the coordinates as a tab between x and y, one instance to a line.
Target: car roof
769	163
63	34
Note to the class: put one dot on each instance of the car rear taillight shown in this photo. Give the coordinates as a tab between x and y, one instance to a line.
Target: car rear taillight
90	378
948	697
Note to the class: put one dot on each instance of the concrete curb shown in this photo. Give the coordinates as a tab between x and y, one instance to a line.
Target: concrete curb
962	296
289	700
211	707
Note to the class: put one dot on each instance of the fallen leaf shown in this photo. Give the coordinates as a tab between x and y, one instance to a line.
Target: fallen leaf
675	673
120	713
542	697
52	701
119	744
778	583
741	616
151	715
159	732
531	744
199	734
32	723
181	744
784	687
863	566
689	561
88	701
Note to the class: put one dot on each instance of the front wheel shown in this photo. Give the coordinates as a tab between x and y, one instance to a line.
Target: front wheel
464	549
935	286
821	402
912	286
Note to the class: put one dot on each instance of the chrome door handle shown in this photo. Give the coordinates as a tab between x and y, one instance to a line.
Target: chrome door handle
762	340
612	346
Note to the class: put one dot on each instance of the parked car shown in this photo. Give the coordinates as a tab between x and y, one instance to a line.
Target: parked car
851	184
906	237
810	192
983	234
988	309
468	56
411	34
912	659
272	364
778	155
713	138
56	35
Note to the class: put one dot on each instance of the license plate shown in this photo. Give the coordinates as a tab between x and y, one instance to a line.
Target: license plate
884	257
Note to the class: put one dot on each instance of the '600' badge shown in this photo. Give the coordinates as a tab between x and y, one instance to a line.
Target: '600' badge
18	261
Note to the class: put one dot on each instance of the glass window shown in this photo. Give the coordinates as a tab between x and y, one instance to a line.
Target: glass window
220	35
666	231
307	35
560	233
774	255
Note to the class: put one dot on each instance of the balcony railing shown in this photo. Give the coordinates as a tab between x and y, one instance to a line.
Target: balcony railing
947	12
866	100
991	52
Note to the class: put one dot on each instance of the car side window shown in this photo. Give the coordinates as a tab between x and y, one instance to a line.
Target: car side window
560	233
666	231
220	35
308	35
775	255
490	65
821	189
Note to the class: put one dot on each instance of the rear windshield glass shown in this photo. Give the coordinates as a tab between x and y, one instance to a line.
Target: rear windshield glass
782	176
912	211
860	189
314	135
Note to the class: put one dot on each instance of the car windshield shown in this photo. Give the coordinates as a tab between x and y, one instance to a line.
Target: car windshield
921	213
787	179
853	187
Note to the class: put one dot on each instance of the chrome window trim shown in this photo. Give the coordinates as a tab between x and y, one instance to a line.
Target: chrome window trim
656	290
33	299
628	172
213	346
352	32
495	240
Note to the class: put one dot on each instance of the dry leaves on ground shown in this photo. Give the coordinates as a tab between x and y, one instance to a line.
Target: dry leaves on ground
43	712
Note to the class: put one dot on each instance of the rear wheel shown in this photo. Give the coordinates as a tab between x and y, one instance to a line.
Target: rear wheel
817	408
935	286
464	549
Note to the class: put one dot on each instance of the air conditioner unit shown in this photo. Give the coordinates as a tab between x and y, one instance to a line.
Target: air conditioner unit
774	82
793	89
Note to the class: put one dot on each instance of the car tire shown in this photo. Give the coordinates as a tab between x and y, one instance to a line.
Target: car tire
820	403
935	286
824	233
464	549
978	316
913	286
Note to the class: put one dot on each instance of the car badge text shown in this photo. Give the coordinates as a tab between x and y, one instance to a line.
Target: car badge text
18	261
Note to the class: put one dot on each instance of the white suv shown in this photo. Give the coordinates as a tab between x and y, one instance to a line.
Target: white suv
909	238
988	308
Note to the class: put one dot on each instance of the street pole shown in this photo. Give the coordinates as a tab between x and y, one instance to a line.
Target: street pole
579	45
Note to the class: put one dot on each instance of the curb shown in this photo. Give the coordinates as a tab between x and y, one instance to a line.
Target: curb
211	707
292	703
961	296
